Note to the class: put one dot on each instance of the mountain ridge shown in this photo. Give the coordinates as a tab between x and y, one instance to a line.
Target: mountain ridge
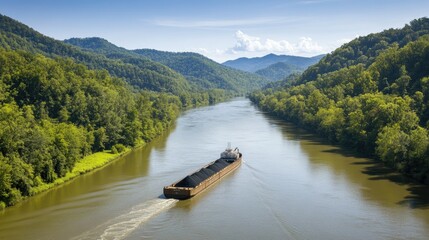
147	74
258	63
196	68
279	71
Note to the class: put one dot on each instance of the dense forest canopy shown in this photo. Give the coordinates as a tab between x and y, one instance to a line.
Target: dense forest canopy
143	74
55	111
364	50
371	94
279	71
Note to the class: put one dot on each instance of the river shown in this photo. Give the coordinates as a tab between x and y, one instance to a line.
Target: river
292	185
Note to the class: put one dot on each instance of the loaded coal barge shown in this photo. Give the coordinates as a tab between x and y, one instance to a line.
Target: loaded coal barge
196	182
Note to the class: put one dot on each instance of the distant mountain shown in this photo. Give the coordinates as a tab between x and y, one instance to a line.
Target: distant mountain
102	46
197	69
139	72
279	71
204	71
257	63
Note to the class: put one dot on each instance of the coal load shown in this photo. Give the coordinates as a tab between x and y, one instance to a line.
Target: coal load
196	178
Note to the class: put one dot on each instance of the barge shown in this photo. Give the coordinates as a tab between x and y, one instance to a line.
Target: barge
196	182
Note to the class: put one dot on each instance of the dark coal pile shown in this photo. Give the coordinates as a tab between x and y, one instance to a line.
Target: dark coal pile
196	178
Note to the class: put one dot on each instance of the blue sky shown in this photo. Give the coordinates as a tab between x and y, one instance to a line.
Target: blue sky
222	29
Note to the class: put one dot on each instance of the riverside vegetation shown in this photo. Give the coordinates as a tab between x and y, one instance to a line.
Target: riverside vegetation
371	94
53	112
65	110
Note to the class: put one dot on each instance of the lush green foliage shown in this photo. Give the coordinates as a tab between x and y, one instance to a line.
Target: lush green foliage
364	50
141	73
371	94
54	112
82	166
279	71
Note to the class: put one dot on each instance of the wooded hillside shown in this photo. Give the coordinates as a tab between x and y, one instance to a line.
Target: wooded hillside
371	94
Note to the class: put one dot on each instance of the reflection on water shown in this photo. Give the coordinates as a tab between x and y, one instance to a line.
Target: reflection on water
291	185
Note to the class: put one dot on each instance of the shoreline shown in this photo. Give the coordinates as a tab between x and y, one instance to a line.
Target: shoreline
87	164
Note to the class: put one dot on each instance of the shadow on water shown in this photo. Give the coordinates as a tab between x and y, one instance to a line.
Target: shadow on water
345	152
418	196
418	193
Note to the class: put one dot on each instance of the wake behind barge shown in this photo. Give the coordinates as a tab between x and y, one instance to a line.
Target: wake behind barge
196	182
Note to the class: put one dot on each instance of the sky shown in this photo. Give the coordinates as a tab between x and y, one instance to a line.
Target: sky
221	30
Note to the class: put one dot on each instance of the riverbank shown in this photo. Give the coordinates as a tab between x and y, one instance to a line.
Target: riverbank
87	164
383	138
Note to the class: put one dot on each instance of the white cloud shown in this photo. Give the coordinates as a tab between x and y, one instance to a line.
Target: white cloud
307	45
247	43
252	46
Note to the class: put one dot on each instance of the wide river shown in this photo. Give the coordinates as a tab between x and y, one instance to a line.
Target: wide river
292	185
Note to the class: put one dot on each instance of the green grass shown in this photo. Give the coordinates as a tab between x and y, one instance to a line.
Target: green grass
87	164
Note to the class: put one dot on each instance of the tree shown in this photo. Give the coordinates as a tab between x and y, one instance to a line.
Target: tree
331	122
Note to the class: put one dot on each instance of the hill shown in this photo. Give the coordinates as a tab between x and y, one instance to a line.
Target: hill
279	71
142	73
200	71
204	71
364	50
258	63
101	46
371	94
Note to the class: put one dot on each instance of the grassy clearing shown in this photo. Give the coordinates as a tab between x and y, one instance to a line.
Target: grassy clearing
87	164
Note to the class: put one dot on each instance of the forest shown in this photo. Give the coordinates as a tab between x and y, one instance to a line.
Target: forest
177	73
55	111
371	95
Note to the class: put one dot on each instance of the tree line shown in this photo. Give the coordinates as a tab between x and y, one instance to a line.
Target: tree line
378	105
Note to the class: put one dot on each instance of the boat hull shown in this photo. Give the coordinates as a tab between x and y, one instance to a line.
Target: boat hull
172	191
